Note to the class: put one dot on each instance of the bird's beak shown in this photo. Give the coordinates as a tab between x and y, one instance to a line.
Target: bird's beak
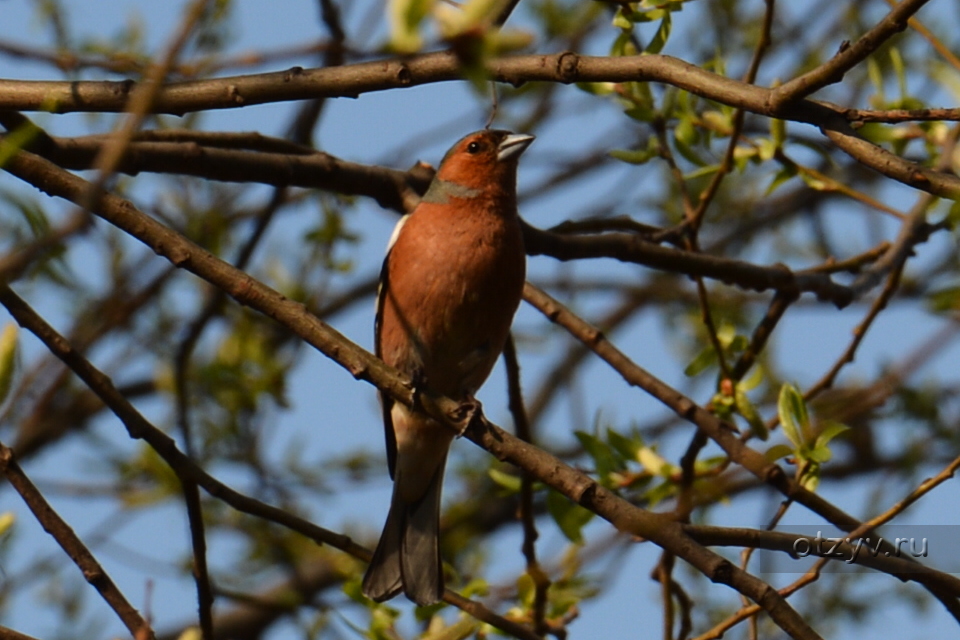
513	145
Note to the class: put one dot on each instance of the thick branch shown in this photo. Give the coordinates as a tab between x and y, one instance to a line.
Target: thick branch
381	75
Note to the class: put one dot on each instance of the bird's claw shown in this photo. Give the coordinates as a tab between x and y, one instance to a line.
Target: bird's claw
466	413
418	383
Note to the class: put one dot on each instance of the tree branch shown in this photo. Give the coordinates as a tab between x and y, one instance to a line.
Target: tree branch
71	544
849	56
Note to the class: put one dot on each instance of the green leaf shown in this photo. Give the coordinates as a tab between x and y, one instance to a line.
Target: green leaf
14	141
737	343
405	17
621	19
476	587
953	216
660	37
778	451
810	482
685	132
719	122
742	156
597	88
706	358
570	517
507	481
660	492
819	454
654	462
8	359
705	170
749	412
781	177
878	133
633	156
816	184
723	406
498	42
623	45
778	131
947	299
899	71
876	79
810	479
628	448
793	415
191	633
382	620
7	520
643	113
766	149
830	431
480	12
753	380
604	459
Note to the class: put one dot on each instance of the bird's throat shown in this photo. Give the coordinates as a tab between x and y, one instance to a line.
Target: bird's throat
442	191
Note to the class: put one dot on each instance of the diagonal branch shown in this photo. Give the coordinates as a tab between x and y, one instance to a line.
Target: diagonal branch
832	71
68	540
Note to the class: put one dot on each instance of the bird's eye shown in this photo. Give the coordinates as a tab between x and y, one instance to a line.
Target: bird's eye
473	147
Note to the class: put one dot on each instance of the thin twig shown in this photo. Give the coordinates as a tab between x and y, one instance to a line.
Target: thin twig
859	333
66	538
198	543
541	581
833	70
761	333
140	104
726	164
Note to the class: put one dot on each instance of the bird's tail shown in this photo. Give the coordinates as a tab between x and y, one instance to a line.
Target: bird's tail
408	555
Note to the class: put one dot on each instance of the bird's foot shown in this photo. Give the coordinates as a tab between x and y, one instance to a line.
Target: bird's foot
418	383
466	413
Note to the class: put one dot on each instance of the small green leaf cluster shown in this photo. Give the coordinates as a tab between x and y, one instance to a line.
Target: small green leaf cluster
809	447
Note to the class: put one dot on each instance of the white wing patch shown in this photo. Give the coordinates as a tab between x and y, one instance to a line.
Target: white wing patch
381	285
396	233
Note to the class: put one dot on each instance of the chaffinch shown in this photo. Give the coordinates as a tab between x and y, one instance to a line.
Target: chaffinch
450	285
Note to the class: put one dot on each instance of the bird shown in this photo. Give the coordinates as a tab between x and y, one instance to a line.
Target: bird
451	282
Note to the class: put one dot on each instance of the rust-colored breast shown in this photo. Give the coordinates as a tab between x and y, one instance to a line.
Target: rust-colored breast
454	281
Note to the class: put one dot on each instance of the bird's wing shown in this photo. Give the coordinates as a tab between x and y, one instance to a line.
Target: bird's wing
386	402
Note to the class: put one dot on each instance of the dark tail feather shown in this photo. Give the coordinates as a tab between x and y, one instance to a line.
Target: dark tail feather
408	555
383	580
420	563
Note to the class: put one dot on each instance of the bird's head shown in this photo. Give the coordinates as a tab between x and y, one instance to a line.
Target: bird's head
484	160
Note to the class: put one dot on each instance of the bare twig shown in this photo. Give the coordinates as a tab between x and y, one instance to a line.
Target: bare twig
66	538
832	71
141	103
541	580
